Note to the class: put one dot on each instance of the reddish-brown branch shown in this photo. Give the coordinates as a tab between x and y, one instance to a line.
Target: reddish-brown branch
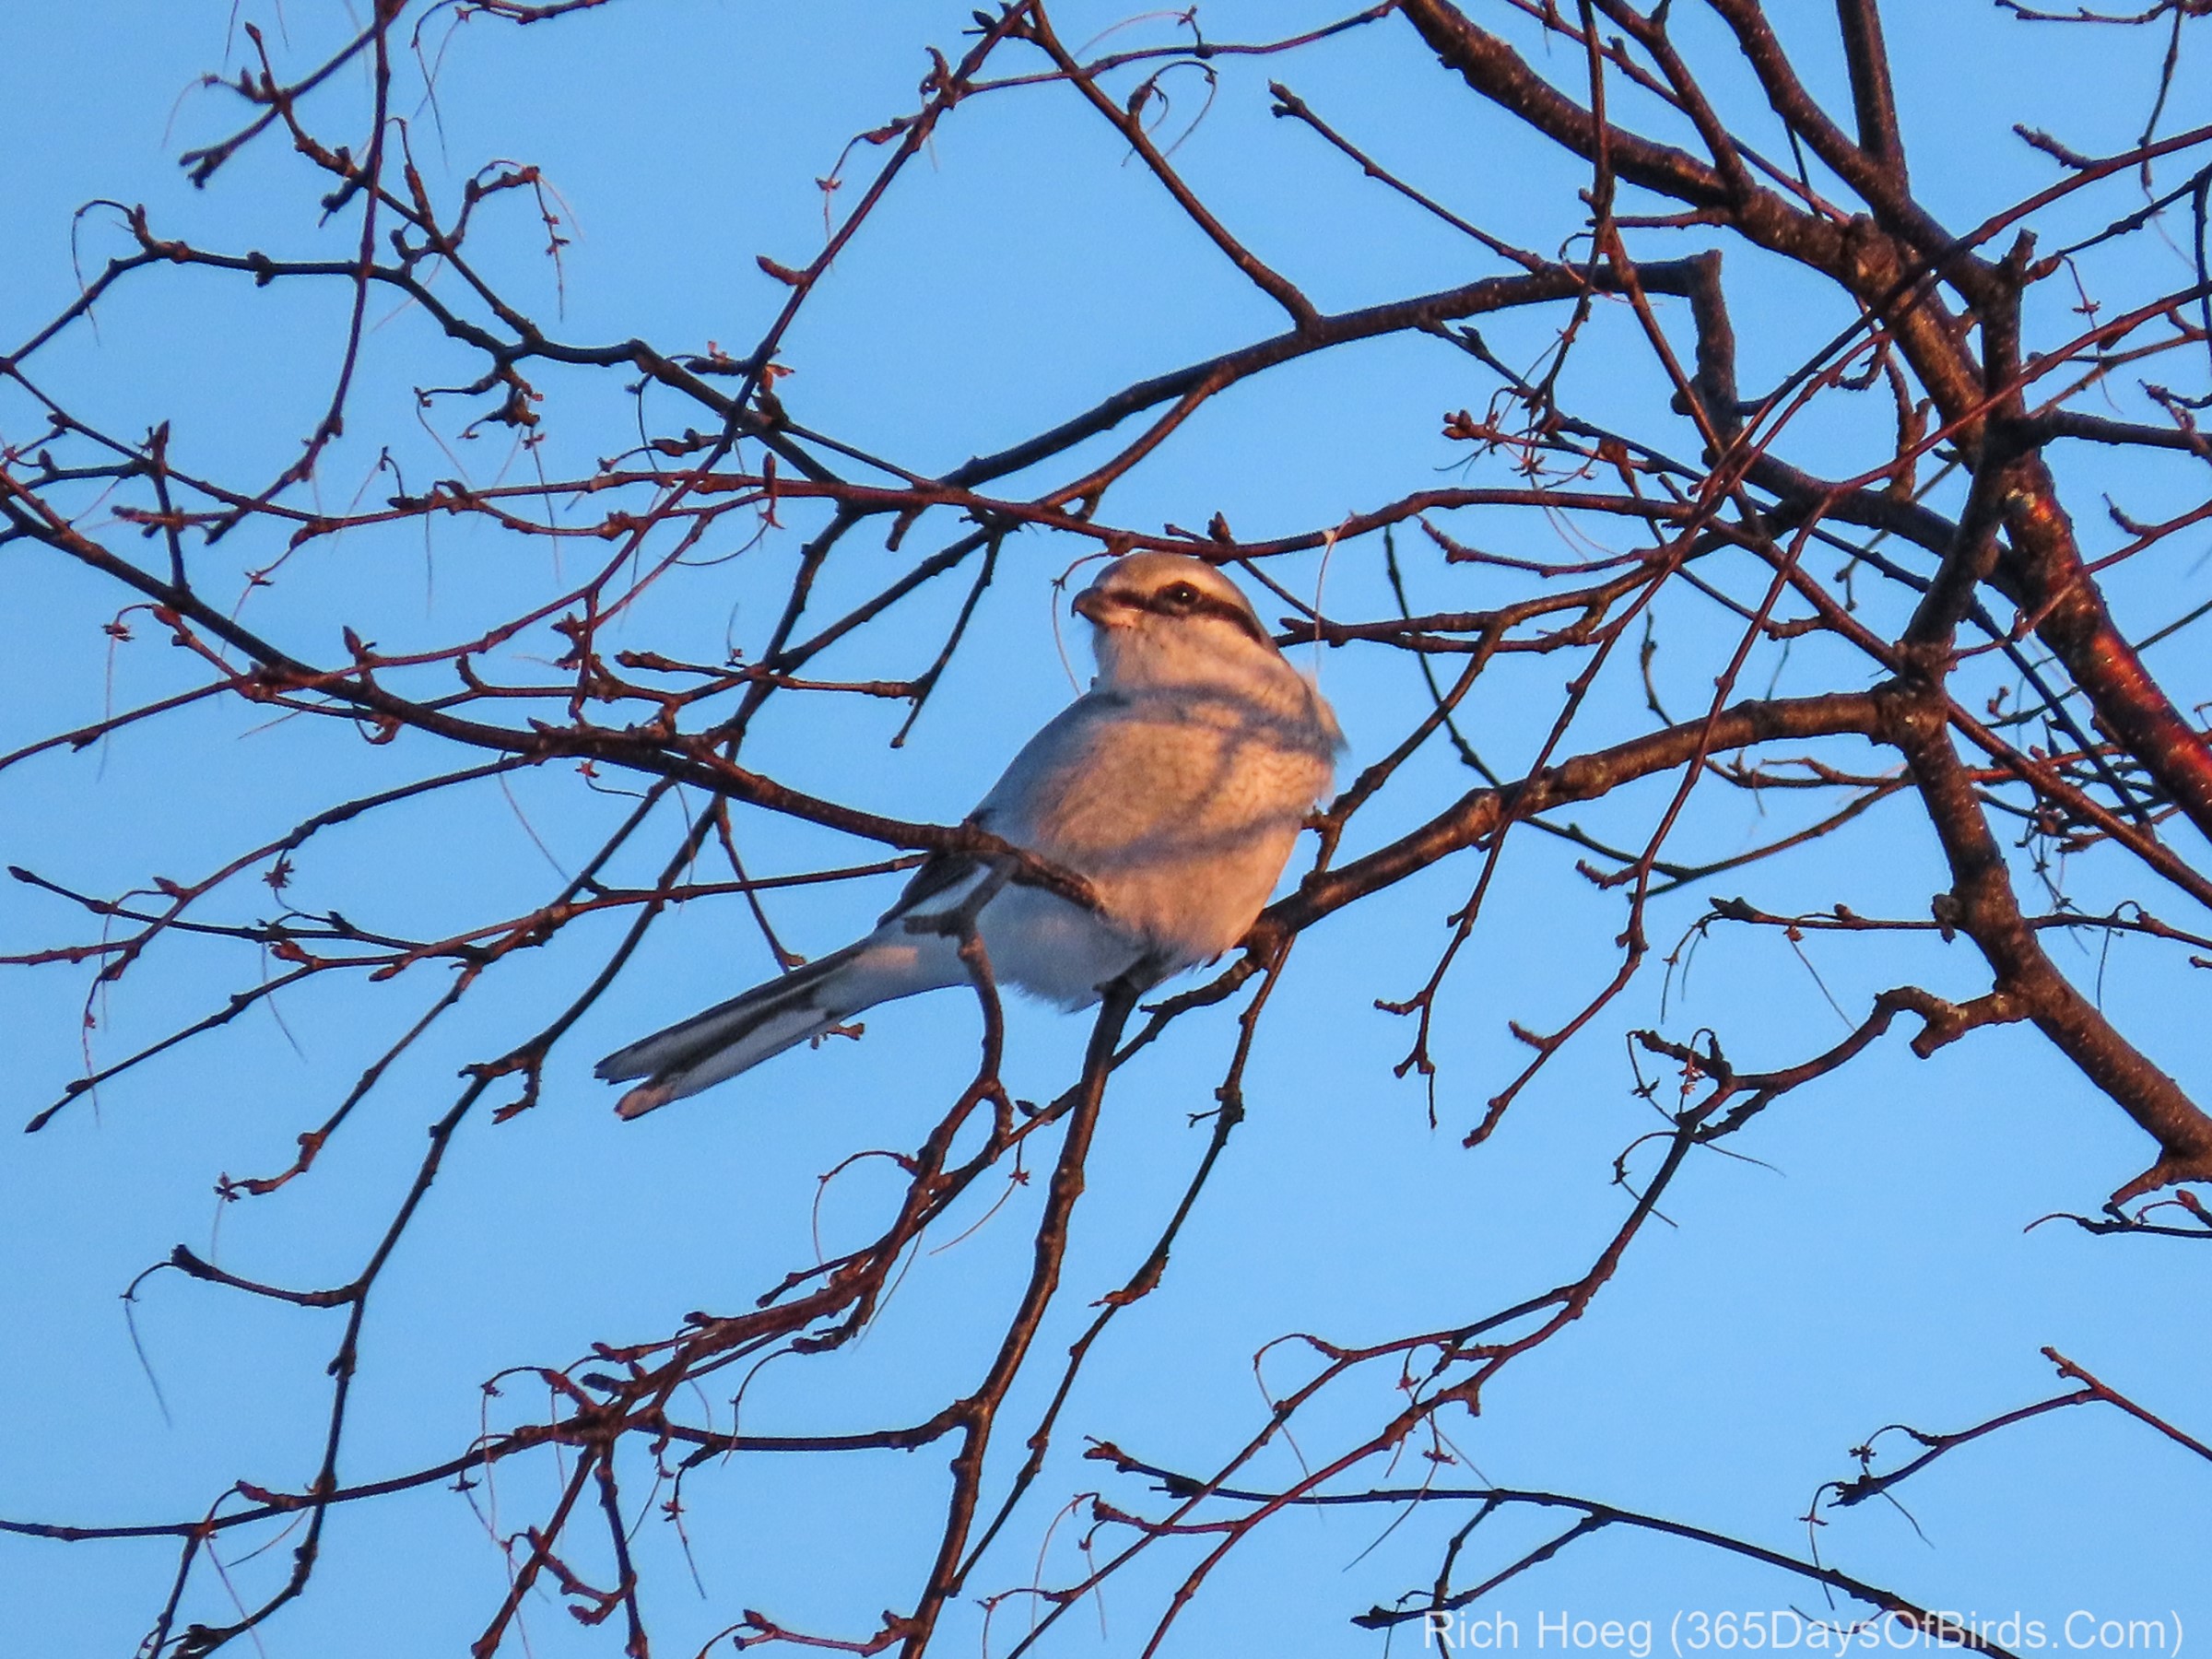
2026	981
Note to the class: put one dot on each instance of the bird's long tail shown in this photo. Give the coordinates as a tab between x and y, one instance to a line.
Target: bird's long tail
737	1035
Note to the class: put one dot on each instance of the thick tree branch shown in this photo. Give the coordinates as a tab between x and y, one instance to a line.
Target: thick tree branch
1987	910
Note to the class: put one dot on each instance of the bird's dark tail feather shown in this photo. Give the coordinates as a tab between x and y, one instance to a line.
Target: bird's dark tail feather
729	1038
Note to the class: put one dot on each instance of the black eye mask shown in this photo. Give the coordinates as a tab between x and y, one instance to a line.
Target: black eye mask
1170	602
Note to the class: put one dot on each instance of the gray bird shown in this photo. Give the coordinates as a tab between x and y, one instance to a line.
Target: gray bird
1176	786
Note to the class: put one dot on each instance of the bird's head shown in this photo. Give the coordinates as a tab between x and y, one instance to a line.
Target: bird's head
1166	619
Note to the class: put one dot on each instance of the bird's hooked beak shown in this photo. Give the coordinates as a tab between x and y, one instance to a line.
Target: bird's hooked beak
1095	606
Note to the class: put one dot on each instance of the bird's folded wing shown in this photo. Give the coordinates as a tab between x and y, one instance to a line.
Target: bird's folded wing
939	882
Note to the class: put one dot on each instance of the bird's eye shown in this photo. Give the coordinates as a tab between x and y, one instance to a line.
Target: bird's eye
1181	594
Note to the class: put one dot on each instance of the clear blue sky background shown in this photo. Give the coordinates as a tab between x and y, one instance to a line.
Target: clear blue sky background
1873	1269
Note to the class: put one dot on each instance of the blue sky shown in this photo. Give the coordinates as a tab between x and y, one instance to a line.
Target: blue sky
1871	1268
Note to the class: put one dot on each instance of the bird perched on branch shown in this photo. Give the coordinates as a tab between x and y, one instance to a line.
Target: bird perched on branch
1176	787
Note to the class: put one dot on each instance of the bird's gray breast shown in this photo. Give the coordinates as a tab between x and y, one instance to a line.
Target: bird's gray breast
1179	805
